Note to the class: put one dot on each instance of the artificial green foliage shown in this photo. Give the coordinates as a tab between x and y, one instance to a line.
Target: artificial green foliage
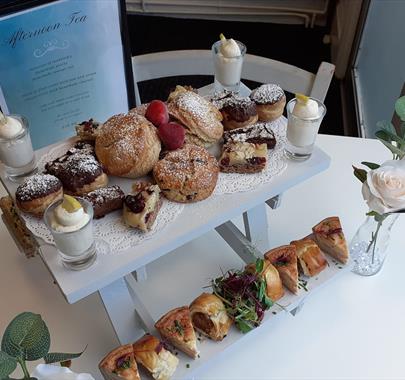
7	365
360	174
27	338
400	107
58	357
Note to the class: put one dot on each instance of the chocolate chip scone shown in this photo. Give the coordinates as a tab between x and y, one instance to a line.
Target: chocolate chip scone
187	175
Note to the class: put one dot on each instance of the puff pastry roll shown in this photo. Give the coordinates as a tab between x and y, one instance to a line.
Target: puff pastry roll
284	258
150	353
329	235
209	316
120	362
274	286
310	258
176	327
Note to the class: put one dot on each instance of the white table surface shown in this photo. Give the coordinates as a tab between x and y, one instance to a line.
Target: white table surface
351	329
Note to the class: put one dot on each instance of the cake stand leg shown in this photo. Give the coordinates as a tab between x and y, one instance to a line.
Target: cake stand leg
145	319
257	227
120	309
238	242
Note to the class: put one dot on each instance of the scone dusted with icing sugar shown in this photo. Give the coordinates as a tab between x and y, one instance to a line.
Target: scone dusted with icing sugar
128	145
200	117
187	175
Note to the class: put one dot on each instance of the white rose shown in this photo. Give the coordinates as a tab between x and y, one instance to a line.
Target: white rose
384	190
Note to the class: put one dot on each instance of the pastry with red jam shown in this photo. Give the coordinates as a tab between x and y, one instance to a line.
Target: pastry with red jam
88	130
142	208
243	157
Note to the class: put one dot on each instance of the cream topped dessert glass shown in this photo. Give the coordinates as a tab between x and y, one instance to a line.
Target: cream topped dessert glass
305	115
71	223
228	60
16	150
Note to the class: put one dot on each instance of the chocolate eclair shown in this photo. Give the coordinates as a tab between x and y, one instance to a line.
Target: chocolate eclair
36	193
79	172
238	113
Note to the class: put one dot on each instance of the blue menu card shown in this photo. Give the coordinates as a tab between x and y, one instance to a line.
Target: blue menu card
62	63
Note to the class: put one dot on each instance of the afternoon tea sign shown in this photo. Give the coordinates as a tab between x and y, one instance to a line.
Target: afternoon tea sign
64	62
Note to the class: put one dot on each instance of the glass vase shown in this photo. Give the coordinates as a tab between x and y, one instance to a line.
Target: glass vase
368	248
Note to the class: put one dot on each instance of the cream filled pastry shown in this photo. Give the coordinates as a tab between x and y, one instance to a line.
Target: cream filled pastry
69	216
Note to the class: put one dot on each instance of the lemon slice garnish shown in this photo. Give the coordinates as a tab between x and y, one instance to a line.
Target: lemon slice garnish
222	37
70	204
302	98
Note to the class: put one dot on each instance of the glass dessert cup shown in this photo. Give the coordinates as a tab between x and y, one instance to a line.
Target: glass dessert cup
77	248
302	132
227	70
17	153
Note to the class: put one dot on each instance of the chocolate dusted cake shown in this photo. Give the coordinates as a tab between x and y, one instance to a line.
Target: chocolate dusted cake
259	133
78	170
105	200
238	112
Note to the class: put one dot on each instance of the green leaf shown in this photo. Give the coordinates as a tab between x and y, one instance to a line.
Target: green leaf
402	131
26	337
360	174
243	326
7	365
262	289
400	107
388	136
370	165
386	126
268	302
393	149
56	357
259	265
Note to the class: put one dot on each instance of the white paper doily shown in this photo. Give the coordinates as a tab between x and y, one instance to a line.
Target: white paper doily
229	183
111	228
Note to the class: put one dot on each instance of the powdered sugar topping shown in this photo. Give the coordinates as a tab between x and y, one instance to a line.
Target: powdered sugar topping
37	186
267	94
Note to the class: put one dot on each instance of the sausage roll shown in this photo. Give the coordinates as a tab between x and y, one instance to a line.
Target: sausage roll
150	353
209	316
120	362
310	258
284	258
329	235
176	327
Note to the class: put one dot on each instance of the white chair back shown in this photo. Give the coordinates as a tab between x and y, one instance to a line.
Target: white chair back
255	68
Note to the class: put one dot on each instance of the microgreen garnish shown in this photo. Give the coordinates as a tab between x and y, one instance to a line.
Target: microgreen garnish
244	295
178	327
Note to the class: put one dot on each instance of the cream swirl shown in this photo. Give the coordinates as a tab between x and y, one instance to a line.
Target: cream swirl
64	221
11	128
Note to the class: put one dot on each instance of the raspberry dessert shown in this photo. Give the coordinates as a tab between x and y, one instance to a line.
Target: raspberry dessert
157	113
141	209
243	157
88	129
172	135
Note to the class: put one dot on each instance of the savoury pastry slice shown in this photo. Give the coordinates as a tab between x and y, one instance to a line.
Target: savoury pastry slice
274	286
176	327
310	258
284	258
209	316
150	353
329	236
121	362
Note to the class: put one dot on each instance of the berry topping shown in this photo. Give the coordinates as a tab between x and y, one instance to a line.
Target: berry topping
172	135
157	113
